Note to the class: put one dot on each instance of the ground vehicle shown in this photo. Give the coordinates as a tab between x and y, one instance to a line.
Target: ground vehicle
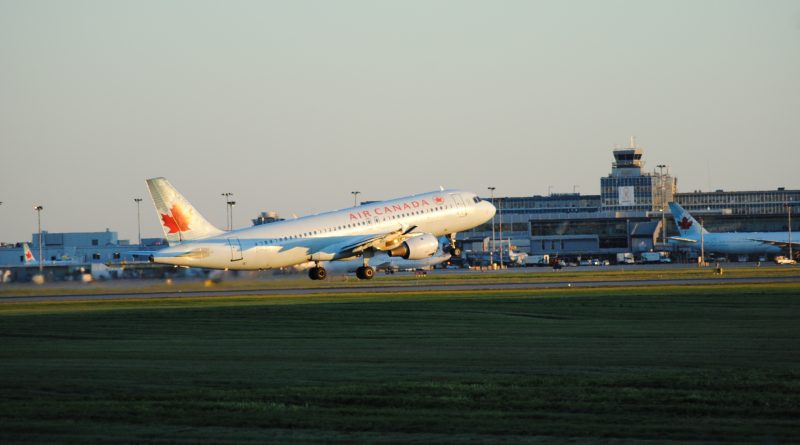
784	260
537	260
625	258
655	257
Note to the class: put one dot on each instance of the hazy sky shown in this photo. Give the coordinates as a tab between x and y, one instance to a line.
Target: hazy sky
291	105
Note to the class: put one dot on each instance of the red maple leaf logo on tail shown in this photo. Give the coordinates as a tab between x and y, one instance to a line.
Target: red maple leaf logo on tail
177	222
28	256
685	223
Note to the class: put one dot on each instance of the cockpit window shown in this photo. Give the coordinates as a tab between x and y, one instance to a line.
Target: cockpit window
476	199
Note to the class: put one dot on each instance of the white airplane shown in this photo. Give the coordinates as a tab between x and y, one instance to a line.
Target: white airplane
29	260
27	256
383	262
406	227
516	258
737	243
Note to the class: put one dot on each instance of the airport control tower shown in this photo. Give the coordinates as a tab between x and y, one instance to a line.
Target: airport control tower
629	189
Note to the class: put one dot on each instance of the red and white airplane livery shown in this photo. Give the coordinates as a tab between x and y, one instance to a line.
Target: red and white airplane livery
406	227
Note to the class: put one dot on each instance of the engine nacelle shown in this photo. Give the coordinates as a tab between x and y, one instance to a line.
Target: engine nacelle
417	248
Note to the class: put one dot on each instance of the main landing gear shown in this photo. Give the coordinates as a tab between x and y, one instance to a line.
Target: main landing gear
365	273
317	273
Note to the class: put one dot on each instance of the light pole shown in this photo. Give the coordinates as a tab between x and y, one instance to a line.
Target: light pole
355	194
702	244
789	215
500	208
39	221
491	252
663	198
138	220
227	196
231	204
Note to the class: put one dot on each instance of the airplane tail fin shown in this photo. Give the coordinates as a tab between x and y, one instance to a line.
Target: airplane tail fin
27	254
687	225
179	219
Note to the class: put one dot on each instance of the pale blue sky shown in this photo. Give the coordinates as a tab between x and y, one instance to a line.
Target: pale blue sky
291	105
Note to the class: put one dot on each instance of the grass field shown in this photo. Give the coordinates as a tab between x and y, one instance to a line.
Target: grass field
684	364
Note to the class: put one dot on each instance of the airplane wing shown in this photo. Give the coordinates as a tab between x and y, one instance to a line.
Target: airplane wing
327	249
779	243
683	240
381	266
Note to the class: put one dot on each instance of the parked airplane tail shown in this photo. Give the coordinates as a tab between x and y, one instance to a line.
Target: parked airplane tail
687	225
179	219
27	254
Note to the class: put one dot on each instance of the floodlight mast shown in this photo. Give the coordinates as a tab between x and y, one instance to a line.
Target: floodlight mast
39	209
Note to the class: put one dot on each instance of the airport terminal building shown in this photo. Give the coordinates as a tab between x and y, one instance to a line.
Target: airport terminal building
629	215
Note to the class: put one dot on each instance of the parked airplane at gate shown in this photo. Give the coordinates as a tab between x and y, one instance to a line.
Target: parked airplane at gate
27	255
28	260
737	243
406	227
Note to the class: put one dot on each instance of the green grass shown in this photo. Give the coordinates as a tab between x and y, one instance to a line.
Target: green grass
683	364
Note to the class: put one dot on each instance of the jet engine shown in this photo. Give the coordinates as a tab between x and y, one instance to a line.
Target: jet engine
417	248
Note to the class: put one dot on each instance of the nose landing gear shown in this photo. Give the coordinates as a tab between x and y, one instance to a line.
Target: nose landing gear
452	248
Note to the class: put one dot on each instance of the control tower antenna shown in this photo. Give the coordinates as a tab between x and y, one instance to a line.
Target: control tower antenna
633	141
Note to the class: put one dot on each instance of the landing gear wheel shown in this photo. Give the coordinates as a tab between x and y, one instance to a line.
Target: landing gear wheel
453	249
317	273
365	273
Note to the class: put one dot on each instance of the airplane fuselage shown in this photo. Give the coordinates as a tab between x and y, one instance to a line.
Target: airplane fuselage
744	243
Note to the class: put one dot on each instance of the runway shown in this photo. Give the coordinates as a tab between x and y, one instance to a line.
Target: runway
377	288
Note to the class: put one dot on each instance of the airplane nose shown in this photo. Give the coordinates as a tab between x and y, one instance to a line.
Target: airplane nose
490	209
